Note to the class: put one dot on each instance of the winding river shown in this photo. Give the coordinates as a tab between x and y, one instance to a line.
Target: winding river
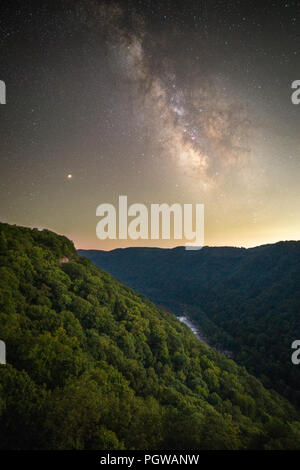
199	335
194	328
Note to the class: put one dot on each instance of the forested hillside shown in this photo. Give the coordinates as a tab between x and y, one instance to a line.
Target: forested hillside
245	300
93	365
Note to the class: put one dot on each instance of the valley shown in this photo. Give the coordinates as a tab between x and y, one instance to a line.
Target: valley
92	364
245	301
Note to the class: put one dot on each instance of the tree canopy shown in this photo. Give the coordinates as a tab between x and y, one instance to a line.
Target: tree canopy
93	365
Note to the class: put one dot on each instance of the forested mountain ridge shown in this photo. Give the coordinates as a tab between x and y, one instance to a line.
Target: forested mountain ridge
93	365
245	300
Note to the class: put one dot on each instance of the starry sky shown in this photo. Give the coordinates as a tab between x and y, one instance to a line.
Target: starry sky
162	101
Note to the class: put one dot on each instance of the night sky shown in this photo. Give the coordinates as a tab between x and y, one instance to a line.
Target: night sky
162	101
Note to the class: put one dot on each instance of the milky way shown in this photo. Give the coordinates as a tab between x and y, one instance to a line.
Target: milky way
202	128
164	101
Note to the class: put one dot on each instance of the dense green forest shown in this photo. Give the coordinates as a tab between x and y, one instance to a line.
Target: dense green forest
93	365
245	300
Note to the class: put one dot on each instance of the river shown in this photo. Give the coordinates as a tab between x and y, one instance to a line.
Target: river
194	328
199	335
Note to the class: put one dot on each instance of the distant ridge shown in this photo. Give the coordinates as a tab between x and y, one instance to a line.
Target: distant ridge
246	300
